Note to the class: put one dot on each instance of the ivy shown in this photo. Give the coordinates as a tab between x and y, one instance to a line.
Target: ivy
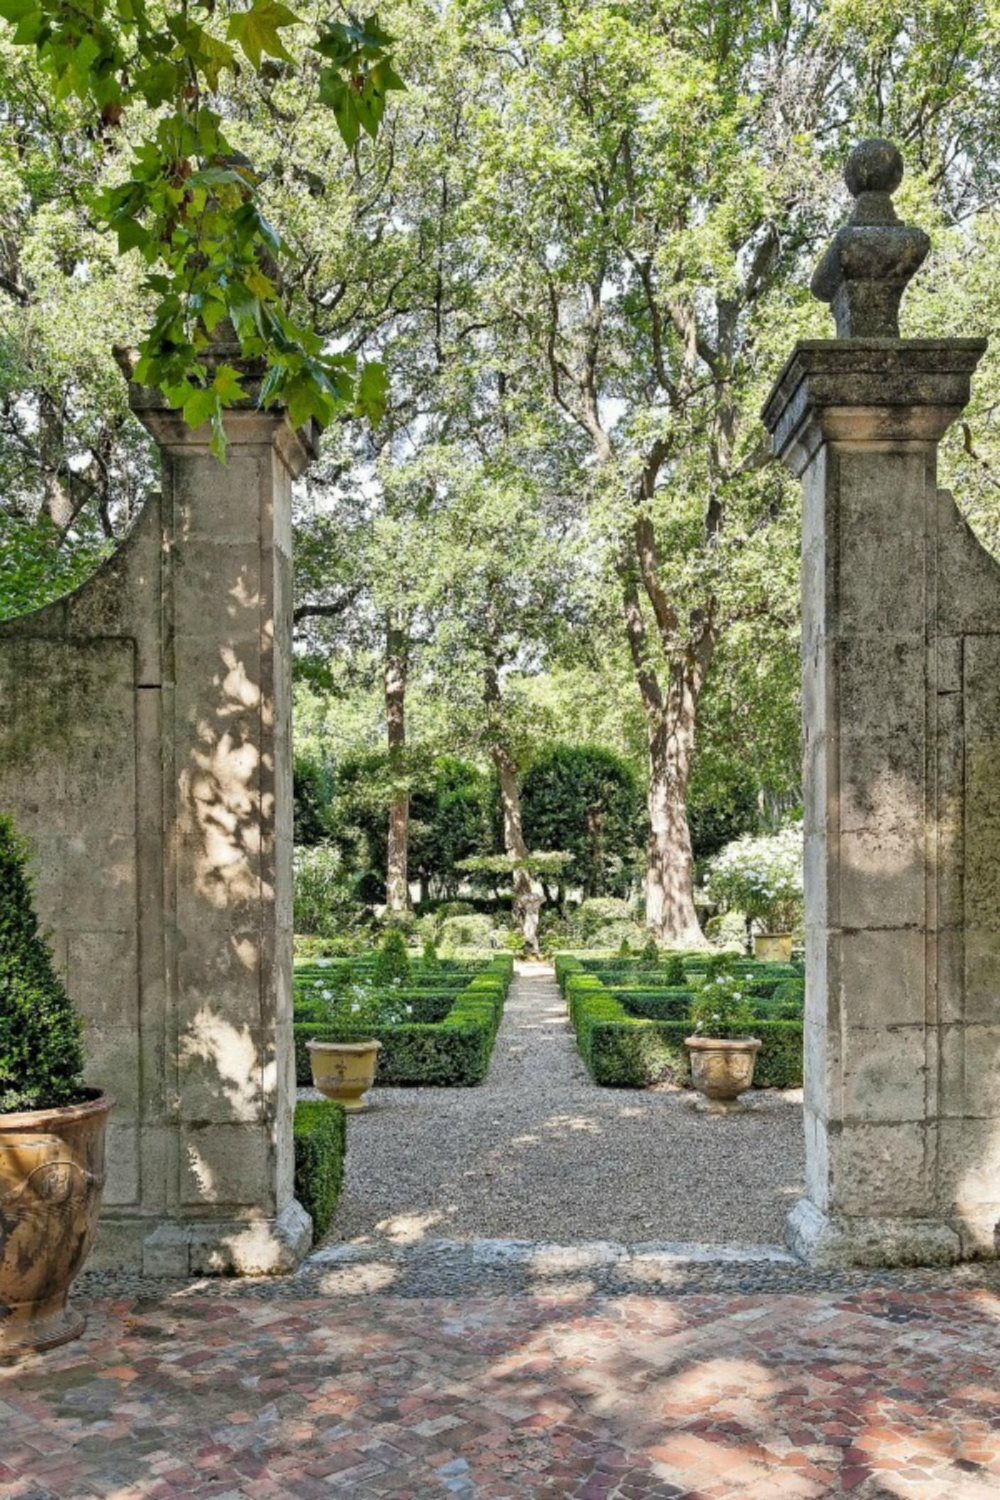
190	206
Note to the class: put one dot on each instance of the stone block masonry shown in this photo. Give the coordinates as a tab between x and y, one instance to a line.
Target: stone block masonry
145	750
901	722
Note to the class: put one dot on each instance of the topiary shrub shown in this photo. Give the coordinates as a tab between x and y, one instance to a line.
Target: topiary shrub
392	962
596	915
41	1056
319	1134
673	974
429	961
454	909
472	931
649	954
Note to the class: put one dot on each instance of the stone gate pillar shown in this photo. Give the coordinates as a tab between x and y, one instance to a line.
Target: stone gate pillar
145	750
901	717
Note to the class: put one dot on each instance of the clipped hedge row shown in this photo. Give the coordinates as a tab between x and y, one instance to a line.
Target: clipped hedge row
427	1006
655	1005
629	1051
454	1051
319	1133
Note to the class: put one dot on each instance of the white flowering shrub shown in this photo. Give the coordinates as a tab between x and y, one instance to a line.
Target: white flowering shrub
761	877
346	1001
722	1008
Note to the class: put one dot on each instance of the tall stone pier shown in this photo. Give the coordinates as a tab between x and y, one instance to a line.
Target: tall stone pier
901	715
145	751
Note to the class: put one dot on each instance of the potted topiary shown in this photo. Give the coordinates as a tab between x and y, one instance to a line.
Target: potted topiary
51	1128
343	1068
722	1048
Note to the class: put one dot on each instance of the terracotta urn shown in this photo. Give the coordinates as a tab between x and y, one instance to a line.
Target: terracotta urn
773	947
344	1071
722	1068
51	1182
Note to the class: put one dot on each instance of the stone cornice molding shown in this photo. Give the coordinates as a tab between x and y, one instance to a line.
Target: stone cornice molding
868	391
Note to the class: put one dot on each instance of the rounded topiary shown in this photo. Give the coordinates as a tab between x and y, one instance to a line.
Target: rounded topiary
41	1057
392	961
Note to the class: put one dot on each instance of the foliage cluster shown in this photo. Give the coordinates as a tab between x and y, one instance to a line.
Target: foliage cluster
41	1055
762	878
324	896
190	205
319	1135
721	1008
587	801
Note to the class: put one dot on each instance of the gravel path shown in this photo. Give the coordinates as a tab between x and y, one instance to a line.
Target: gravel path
539	1152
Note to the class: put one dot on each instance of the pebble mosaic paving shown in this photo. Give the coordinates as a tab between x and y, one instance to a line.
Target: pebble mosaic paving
889	1388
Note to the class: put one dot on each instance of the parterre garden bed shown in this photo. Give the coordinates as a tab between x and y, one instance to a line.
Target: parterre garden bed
455	1015
631	1024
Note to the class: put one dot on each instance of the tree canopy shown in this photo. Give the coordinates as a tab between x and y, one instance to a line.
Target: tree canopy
578	244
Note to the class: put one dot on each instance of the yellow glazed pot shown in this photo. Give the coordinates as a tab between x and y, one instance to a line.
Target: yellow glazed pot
722	1069
773	947
51	1181
344	1071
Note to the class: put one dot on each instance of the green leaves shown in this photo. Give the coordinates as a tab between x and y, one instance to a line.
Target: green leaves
256	30
372	392
190	206
359	77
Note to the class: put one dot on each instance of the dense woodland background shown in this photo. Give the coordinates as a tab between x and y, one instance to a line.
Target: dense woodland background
549	603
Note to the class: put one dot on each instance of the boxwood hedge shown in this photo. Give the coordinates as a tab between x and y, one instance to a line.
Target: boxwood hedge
453	1051
319	1132
631	1050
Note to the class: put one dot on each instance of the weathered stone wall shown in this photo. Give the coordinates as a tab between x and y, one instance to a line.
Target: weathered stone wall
901	715
145	750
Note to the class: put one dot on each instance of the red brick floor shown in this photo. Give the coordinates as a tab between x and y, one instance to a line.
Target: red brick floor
872	1393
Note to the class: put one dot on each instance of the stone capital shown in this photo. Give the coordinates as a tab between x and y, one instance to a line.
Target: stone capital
868	392
247	424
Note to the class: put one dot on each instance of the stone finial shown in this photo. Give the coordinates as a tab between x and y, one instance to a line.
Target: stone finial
864	273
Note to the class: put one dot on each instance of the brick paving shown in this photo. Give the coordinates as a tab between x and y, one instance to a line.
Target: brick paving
885	1386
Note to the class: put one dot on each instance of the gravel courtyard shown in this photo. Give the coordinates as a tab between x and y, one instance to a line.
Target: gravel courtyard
539	1152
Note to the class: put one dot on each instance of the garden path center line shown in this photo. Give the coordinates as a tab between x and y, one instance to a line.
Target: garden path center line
540	1152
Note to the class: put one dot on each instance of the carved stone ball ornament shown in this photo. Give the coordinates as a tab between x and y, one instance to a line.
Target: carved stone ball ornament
865	271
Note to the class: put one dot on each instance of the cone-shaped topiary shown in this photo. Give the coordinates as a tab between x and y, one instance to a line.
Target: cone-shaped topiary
392	962
429	961
41	1058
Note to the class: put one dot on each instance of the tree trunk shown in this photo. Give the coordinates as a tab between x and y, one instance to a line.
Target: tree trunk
671	718
397	885
670	908
527	902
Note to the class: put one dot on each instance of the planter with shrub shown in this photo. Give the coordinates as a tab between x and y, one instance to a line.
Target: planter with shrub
722	1046
52	1128
453	1050
626	1045
762	878
344	1067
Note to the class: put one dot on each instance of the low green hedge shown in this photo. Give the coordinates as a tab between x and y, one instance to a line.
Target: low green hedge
655	1004
454	1051
626	1051
319	1132
427	1006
